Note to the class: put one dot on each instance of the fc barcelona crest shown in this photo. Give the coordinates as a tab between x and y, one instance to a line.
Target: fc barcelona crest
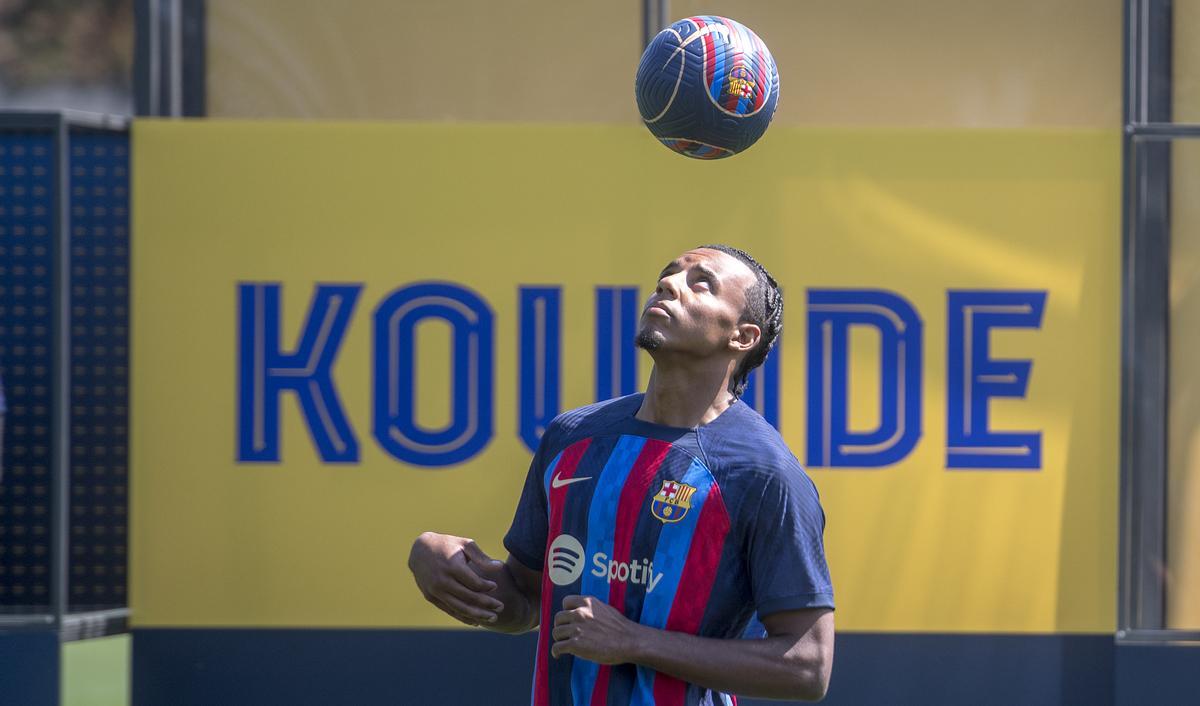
673	501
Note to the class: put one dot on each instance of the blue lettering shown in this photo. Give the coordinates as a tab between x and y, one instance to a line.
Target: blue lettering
973	378
541	349
395	424
831	314
617	313
762	387
265	371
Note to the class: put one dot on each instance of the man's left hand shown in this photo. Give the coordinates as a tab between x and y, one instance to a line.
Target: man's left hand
588	627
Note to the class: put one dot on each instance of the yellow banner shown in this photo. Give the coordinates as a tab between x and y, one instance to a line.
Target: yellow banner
346	334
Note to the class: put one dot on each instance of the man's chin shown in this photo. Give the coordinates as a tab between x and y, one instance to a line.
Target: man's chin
649	340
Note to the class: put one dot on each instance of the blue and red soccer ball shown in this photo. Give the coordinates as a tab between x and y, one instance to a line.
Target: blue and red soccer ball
707	87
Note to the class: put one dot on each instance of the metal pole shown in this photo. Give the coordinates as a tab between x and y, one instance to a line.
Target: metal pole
145	58
61	414
1162	131
154	58
654	18
1146	314
1125	584
169	58
193	51
175	58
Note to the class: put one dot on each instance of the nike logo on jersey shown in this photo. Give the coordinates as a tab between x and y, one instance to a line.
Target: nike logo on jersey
557	482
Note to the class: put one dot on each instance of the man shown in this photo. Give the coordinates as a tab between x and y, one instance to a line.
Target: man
651	527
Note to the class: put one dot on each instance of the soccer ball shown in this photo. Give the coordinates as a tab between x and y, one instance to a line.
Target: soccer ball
707	87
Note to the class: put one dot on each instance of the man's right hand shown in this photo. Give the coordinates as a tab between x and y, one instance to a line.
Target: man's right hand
447	570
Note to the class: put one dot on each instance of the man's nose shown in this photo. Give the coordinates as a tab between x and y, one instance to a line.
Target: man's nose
669	285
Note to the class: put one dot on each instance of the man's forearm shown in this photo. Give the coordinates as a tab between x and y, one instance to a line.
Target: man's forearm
772	668
520	612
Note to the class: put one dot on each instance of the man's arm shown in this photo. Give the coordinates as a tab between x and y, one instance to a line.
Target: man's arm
793	662
459	578
519	589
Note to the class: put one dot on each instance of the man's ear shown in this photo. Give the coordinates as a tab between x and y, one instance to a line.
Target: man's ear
745	337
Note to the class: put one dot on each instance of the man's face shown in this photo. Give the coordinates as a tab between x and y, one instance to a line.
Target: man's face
697	305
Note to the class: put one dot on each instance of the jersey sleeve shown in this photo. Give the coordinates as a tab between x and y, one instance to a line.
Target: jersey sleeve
526	538
787	551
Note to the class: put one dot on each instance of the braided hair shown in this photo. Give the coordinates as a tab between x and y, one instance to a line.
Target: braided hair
764	308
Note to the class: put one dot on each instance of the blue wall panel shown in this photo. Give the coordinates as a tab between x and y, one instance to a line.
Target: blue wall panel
307	666
99	329
28	205
29	672
1157	674
301	666
982	670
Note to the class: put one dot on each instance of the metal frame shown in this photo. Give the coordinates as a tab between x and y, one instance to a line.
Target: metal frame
1155	637
60	315
654	18
1162	131
1146	315
70	626
169	58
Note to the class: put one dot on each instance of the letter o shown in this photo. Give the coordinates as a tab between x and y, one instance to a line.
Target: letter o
395	426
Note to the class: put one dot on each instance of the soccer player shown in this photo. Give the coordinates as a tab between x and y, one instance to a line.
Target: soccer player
652	527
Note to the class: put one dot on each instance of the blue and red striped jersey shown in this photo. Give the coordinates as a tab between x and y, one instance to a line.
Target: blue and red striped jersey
690	530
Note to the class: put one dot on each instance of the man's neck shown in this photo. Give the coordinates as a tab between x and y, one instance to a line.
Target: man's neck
685	397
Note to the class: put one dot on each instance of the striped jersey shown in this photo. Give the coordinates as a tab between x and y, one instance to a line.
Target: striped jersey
690	530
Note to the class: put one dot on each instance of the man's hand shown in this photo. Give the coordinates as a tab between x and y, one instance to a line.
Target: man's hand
588	627
452	573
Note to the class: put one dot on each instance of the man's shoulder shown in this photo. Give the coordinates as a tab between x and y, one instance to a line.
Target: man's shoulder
749	446
589	420
748	436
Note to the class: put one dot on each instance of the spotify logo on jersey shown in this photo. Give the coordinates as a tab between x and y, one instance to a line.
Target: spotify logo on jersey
565	559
